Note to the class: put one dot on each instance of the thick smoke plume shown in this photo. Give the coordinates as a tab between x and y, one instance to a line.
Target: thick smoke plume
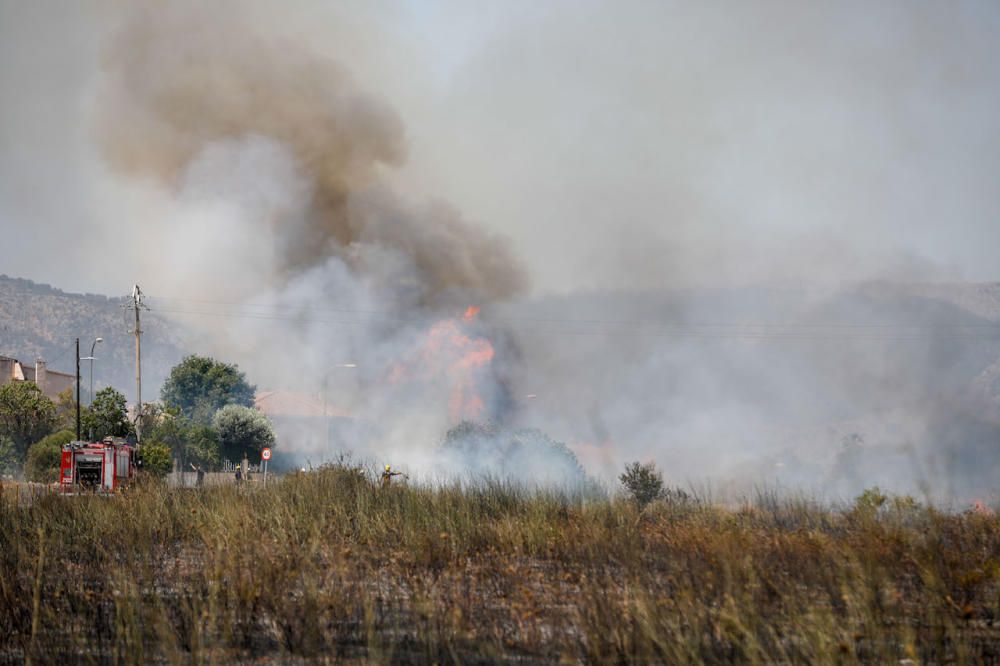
185	80
271	162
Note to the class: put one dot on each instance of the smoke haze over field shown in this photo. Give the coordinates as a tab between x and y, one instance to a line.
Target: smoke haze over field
628	189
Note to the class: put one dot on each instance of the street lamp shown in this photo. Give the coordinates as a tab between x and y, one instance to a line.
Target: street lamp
96	340
91	359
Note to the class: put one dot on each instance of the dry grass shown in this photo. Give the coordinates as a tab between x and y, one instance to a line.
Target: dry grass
326	566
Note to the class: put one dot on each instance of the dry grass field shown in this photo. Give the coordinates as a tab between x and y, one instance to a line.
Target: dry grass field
327	566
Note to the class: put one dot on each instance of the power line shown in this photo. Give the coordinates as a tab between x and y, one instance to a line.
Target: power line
388	315
739	331
60	356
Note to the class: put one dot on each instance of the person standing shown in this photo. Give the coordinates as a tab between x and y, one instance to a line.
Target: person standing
201	475
387	476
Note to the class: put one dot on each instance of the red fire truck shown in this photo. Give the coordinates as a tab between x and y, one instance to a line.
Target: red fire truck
100	466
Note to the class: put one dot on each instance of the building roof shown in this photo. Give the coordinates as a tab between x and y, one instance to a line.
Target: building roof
54	383
30	367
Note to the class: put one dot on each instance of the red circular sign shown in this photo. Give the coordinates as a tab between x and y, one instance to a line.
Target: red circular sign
265	454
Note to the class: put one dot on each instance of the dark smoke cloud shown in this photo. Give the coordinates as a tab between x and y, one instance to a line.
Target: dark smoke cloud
182	79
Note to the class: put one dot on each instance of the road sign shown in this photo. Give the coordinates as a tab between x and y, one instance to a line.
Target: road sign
265	454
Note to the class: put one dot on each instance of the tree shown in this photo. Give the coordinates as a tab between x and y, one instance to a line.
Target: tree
45	456
165	426
202	447
26	415
66	409
189	441
107	416
199	386
156	459
643	482
152	415
242	431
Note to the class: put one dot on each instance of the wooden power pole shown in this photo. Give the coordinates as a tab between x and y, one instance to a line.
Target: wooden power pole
137	305
77	389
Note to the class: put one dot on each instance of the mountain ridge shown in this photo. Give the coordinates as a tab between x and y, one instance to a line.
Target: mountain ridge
39	321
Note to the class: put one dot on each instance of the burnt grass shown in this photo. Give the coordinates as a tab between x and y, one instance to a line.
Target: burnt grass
328	567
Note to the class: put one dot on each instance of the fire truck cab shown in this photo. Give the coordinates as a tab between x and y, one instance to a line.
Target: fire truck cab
100	466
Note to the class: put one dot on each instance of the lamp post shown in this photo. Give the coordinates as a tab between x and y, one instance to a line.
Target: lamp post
92	346
91	359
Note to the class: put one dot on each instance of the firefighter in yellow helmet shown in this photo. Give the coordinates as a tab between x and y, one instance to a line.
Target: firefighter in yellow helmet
387	476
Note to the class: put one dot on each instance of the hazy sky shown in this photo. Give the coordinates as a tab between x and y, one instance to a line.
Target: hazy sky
617	144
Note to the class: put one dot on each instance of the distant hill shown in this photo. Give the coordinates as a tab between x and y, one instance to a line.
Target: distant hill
40	321
776	383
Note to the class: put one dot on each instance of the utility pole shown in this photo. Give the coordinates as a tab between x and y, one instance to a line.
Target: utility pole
137	305
78	389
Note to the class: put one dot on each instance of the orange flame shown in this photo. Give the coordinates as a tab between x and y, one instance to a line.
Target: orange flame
448	354
982	508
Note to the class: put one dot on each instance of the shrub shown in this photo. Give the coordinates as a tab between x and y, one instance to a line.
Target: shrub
190	441
156	459
242	431
643	482
528	456
870	502
45	456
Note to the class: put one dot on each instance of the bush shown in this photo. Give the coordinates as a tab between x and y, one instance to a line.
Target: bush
156	459
643	482
45	456
242	431
528	456
190	442
870	502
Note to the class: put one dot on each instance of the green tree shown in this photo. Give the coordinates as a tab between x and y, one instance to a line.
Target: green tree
242	430
107	416
643	482
166	427
156	459
199	386
152	415
45	456
189	441
26	416
66	409
202	447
